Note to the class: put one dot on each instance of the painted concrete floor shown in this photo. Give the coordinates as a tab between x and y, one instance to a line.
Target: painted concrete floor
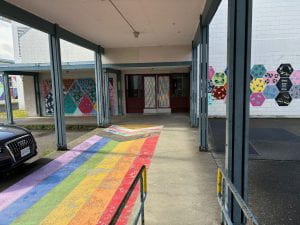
274	167
181	181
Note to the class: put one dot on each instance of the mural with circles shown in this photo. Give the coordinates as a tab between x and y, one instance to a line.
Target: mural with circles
79	96
282	85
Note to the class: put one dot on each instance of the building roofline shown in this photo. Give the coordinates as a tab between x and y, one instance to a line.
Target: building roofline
83	65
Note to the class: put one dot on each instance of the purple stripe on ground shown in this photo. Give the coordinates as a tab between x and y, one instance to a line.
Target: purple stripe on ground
15	191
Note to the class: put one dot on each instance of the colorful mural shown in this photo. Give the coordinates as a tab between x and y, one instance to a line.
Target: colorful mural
79	96
282	85
13	88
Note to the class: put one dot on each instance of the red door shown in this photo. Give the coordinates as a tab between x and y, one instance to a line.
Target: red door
134	94
180	92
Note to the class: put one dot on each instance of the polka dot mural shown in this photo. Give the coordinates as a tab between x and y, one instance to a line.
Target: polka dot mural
295	77
219	92
271	91
211	72
258	71
283	99
257	85
257	99
281	85
219	79
271	78
285	70
210	86
295	91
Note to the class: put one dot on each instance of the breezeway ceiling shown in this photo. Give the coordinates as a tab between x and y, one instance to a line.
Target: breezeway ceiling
160	22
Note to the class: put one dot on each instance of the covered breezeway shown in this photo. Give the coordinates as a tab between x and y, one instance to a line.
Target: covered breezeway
179	170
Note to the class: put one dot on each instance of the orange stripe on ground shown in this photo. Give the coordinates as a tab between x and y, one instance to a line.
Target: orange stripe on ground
95	206
143	159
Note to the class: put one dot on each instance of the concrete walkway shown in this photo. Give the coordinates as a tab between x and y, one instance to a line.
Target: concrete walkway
181	180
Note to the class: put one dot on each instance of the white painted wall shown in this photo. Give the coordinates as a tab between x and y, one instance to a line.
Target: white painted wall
275	40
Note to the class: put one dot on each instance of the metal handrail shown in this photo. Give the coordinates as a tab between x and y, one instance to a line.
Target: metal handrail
142	177
221	177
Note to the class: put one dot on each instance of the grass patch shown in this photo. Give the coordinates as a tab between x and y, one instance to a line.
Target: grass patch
16	114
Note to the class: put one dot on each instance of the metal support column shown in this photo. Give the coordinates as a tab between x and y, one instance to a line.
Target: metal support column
57	88
203	103
8	106
119	88
37	95
99	88
106	99
194	120
237	124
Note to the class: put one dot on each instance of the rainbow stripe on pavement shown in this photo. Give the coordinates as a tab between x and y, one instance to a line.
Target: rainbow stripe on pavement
82	186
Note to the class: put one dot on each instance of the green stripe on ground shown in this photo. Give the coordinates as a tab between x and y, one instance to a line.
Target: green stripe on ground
45	205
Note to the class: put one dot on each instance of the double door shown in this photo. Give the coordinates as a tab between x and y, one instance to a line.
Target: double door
147	93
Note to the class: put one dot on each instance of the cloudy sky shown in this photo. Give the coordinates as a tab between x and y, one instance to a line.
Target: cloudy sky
6	42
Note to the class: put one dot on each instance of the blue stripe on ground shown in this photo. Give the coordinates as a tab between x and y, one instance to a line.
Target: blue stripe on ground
17	208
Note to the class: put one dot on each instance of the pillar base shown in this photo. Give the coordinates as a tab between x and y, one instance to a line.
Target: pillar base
202	149
62	148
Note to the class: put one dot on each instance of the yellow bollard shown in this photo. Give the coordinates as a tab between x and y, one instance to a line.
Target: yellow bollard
219	182
144	175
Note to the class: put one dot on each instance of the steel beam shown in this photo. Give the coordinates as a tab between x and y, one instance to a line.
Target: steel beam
15	13
237	124
8	106
106	99
99	87
194	89
203	124
119	88
57	89
37	95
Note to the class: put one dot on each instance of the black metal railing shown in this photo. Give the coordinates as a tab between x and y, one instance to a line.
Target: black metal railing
142	177
224	181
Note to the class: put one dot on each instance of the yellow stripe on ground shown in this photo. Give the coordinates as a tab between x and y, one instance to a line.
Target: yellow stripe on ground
93	209
73	202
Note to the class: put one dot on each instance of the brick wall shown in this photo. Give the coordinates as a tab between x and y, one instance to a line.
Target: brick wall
275	40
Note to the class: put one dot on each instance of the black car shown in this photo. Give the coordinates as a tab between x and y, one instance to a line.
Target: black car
16	146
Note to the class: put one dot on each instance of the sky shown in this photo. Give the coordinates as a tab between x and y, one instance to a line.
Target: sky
6	41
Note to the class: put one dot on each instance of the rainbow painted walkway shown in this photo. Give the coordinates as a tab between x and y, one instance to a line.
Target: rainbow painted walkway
81	187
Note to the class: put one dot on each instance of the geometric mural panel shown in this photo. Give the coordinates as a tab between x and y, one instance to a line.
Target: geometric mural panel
88	87
257	85
270	92
210	86
258	71
49	107
211	72
271	77
219	93
284	84
67	83
285	70
85	105
257	99
76	92
295	91
210	98
295	77
283	99
69	105
219	79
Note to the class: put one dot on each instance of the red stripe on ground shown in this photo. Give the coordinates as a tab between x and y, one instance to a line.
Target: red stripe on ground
144	158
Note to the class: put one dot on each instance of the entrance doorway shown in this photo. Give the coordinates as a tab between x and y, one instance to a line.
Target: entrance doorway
162	93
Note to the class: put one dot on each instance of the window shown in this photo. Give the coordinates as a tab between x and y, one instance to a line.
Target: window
135	86
180	85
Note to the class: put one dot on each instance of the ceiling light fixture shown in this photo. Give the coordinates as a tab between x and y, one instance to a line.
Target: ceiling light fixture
136	33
